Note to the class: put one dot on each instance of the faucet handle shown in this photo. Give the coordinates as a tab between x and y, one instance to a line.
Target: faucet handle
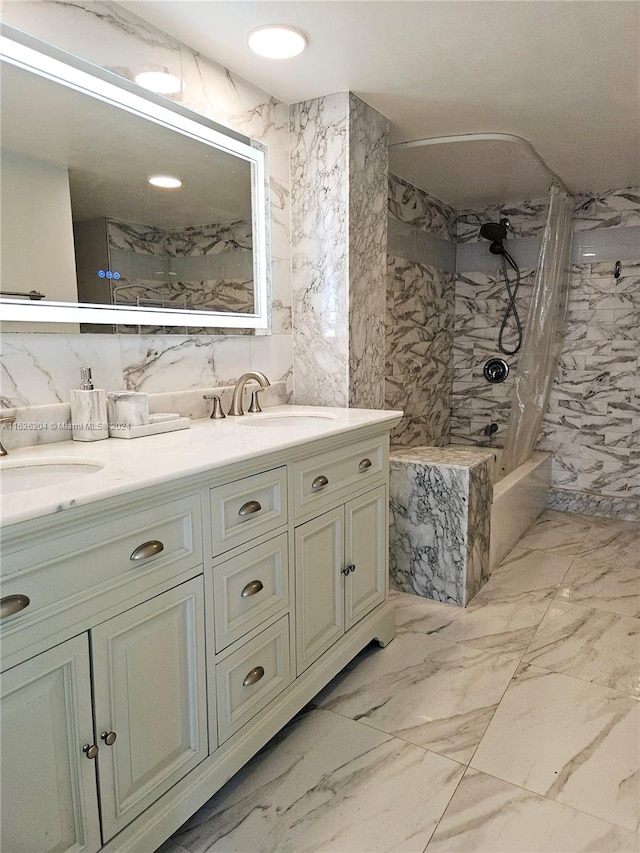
216	413
254	405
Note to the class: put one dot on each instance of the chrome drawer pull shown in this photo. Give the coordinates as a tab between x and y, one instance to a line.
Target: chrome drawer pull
109	738
249	508
252	588
319	483
90	750
254	676
147	549
11	604
364	464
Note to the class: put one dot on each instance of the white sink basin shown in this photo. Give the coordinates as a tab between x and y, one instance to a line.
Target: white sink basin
288	419
23	476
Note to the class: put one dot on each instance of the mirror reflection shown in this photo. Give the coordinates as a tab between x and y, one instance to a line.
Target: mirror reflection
83	224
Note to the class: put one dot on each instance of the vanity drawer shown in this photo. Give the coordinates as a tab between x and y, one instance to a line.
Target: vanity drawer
129	554
251	677
249	589
319	478
248	508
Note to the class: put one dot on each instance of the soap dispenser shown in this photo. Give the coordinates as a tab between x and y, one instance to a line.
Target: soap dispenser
88	410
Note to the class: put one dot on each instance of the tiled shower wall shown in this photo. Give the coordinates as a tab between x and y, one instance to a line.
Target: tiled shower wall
438	343
419	315
593	423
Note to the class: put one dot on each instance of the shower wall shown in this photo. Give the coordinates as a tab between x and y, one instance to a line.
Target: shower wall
593	423
420	314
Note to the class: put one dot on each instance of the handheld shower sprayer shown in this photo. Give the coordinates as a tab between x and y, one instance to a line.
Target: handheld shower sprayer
497	233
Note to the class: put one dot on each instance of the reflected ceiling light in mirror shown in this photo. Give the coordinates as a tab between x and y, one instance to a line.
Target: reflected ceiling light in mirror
165	181
275	41
161	82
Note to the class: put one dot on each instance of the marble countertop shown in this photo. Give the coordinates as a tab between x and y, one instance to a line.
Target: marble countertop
142	462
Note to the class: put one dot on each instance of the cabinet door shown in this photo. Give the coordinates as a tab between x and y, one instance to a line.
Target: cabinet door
49	797
366	549
319	548
149	685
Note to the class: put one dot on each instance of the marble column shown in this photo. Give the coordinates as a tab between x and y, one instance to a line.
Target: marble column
338	202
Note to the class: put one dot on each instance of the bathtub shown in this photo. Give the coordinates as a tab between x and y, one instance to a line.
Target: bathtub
518	499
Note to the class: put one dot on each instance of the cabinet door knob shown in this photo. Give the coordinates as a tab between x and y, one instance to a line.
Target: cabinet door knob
90	750
252	588
11	604
250	508
254	676
109	738
348	569
364	464
147	549
319	483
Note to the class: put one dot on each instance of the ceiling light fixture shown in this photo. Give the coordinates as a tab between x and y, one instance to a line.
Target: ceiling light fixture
275	41
159	81
165	182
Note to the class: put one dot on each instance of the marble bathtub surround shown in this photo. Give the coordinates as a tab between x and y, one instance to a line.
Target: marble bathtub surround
440	503
543	756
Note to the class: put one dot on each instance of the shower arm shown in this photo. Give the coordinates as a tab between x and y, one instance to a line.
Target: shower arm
484	137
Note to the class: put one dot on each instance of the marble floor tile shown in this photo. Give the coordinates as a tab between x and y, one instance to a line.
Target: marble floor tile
526	569
562	532
487	815
422	615
569	740
615	545
499	619
591	644
425	690
326	783
602	587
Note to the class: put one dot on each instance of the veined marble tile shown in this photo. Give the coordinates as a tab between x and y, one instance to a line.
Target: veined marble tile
487	815
614	545
423	689
526	570
410	204
569	740
605	587
590	644
499	619
560	532
41	369
326	783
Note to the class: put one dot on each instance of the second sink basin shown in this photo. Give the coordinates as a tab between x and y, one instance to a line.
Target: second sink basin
23	476
288	419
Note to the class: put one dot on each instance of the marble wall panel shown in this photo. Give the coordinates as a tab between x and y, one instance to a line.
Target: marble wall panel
420	209
368	169
40	369
319	217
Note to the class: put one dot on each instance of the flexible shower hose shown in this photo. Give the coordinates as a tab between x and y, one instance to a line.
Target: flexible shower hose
511	307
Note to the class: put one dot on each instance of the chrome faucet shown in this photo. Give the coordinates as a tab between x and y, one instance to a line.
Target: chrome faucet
236	401
7	420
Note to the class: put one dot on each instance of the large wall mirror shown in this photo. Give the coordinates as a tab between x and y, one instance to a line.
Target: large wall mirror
87	239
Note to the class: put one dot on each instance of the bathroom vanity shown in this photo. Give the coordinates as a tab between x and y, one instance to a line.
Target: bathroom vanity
166	612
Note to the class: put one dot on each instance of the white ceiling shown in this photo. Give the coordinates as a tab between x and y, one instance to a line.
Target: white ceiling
564	75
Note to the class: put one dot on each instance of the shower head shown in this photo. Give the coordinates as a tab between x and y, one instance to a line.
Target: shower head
494	231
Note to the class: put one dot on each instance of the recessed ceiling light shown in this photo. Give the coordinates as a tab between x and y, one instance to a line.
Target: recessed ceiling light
165	181
159	81
277	42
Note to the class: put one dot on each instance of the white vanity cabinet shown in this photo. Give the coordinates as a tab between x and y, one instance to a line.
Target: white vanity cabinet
341	568
169	633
